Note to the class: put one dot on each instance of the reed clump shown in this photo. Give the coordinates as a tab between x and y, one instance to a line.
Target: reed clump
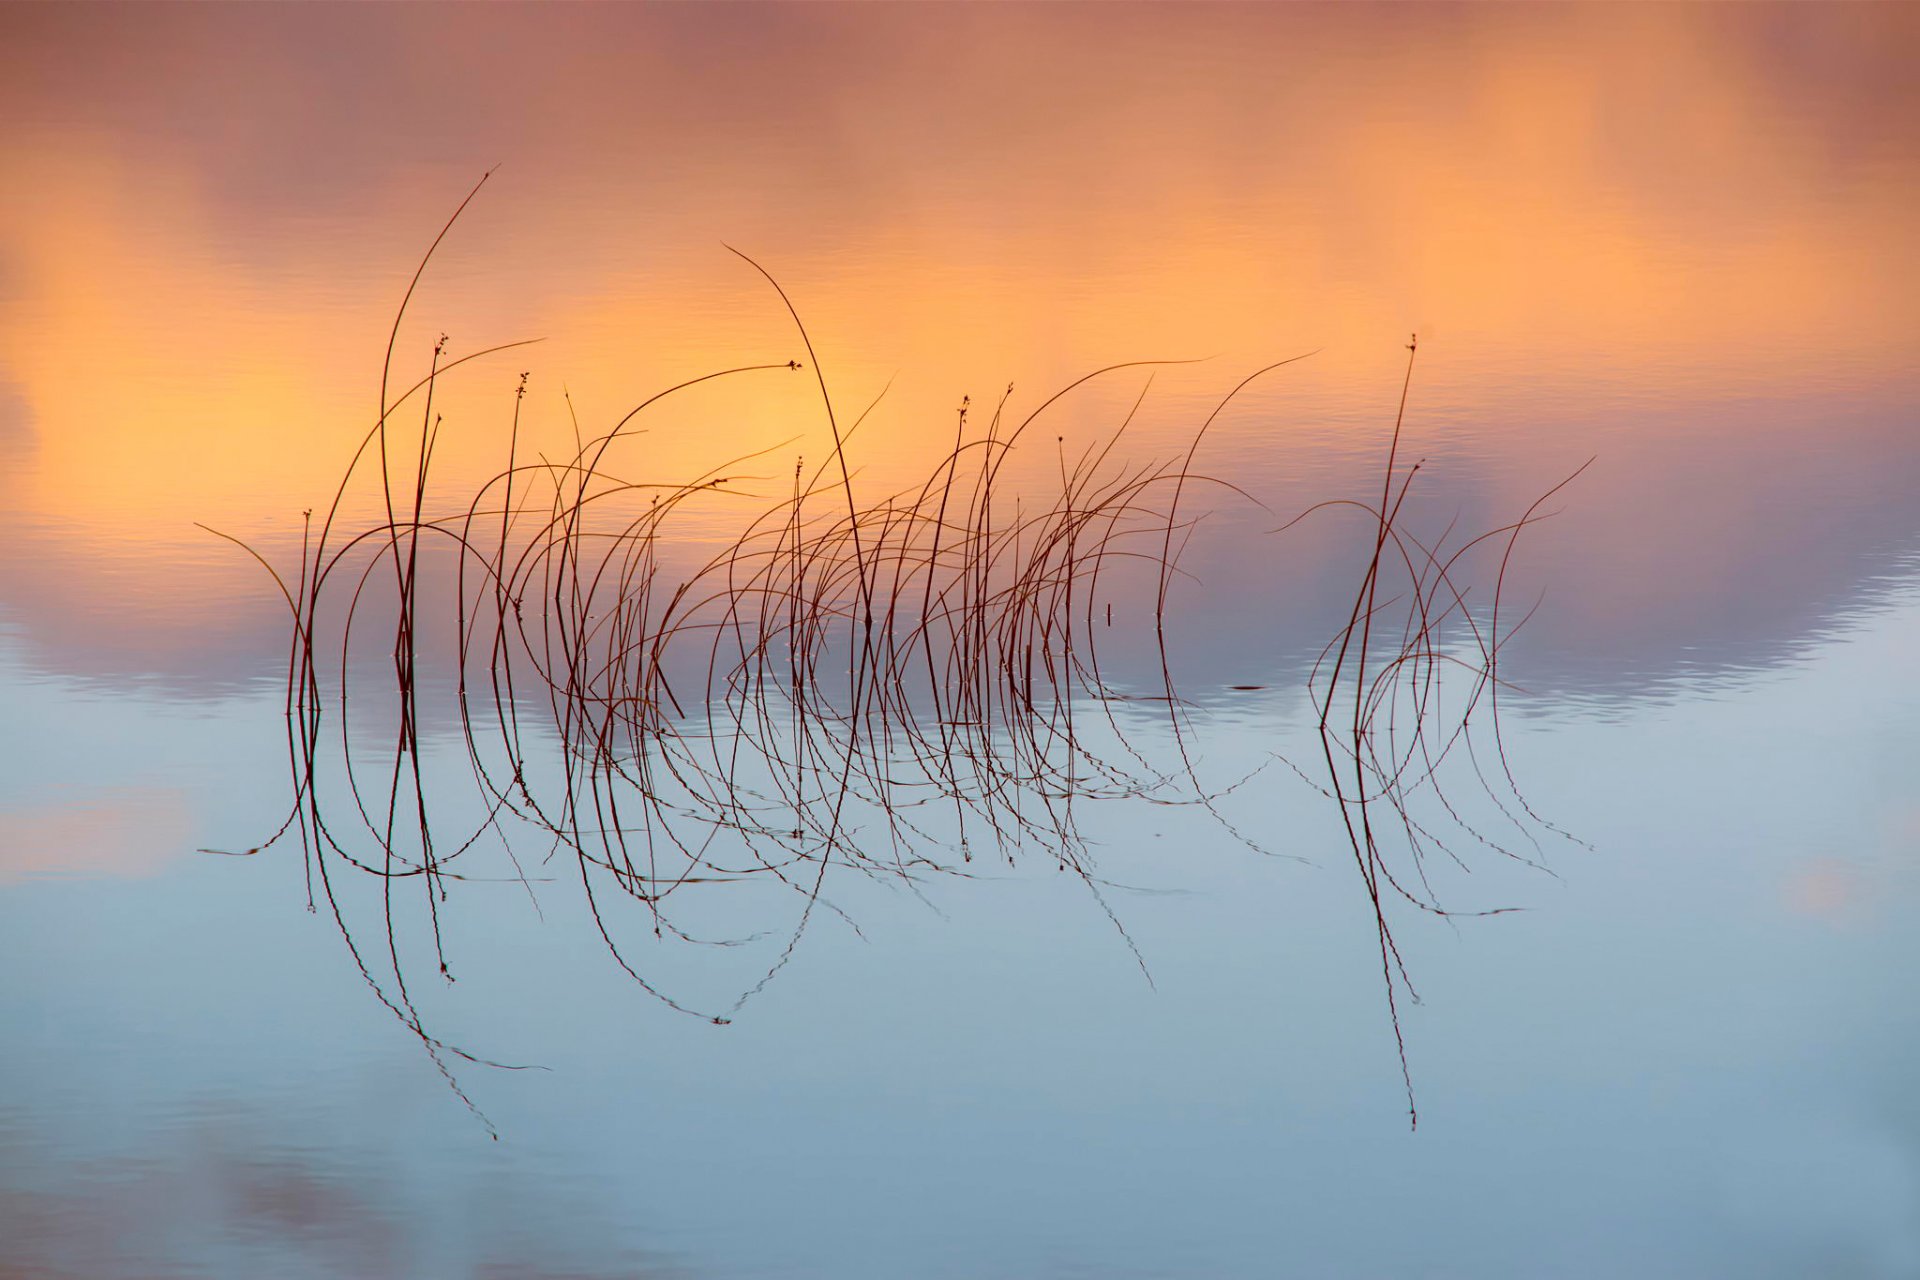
888	685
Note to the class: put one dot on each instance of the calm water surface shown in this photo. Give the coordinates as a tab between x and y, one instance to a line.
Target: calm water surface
1676	242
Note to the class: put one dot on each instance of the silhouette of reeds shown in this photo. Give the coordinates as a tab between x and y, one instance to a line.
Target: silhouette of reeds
886	684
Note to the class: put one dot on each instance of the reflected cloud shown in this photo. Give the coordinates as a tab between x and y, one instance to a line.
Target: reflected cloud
113	831
1695	272
1826	889
224	1193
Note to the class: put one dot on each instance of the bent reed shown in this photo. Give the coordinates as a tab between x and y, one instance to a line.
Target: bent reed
890	686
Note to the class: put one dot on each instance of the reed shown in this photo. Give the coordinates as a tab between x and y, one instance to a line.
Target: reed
886	685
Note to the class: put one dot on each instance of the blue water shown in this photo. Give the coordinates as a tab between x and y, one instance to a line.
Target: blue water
1675	242
1686	1057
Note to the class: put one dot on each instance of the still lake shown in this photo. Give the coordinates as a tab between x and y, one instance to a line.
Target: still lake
1669	249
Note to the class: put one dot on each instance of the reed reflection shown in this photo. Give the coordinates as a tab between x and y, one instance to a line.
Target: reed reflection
888	685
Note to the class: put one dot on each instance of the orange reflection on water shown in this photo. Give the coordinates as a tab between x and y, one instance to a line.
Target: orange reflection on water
1579	207
117	831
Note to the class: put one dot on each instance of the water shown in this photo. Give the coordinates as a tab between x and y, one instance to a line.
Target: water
1673	241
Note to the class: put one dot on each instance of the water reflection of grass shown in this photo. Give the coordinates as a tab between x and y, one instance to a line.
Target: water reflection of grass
893	684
